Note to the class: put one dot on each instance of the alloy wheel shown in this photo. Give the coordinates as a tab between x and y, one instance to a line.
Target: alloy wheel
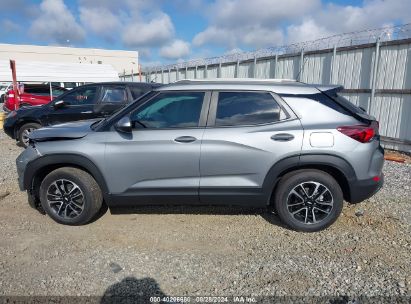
65	198
25	135
310	202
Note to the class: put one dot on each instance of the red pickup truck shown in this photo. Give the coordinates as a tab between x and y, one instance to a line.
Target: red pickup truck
32	95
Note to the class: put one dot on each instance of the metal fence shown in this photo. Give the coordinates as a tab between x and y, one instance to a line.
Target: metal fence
374	66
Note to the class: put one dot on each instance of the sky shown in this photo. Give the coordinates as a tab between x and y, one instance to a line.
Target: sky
167	31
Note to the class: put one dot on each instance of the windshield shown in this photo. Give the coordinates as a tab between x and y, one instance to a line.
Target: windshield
3	87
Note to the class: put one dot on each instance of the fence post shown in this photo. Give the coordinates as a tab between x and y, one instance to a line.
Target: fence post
237	69
195	72
255	67
219	70
275	67
177	74
300	74
162	75
374	73
333	64
186	72
205	71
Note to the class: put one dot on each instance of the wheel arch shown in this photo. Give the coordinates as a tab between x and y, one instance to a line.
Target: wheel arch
37	170
22	122
336	166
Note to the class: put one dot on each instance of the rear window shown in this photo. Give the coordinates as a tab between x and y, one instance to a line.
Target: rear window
42	91
344	102
138	91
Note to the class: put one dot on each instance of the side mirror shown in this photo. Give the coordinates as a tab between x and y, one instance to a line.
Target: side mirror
59	104
124	125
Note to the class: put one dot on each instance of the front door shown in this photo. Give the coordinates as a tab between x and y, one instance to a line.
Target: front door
159	161
78	105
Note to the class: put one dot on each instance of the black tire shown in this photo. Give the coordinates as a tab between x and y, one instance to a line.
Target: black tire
24	131
91	201
317	211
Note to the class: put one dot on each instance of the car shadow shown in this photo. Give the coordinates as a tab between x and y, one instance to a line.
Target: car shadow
132	290
267	214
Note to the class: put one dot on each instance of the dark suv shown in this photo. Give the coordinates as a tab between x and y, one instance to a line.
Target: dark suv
84	102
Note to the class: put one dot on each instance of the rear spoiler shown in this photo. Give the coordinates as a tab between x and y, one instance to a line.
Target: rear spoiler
359	113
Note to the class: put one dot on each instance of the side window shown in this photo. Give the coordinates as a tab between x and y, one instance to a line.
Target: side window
246	108
136	91
114	94
37	90
57	92
81	96
170	110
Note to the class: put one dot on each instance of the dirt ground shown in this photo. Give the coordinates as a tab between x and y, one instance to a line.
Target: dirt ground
205	251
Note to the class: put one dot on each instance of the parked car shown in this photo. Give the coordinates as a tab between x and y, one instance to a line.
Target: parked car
33	95
4	87
84	102
301	148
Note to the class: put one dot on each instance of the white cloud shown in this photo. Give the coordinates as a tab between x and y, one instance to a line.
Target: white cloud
56	23
175	50
253	24
251	36
8	26
100	21
307	30
335	19
152	33
260	23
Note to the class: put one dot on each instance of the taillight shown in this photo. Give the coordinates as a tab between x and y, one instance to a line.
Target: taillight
361	133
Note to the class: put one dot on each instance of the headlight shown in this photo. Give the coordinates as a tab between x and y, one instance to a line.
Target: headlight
11	114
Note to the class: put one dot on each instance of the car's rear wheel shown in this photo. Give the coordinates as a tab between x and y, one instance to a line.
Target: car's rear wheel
70	196
308	200
24	132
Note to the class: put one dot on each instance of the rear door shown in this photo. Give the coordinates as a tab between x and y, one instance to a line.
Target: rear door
78	105
112	98
247	133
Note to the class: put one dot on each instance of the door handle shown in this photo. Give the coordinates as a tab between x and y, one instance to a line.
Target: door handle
282	137
87	112
185	139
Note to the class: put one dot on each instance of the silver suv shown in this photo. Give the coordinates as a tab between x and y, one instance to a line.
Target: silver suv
299	148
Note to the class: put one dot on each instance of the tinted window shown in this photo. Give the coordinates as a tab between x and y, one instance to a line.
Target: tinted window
246	108
136	92
41	91
58	91
70	85
86	95
323	99
170	110
114	95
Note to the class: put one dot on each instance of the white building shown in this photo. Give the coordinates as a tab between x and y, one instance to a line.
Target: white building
122	61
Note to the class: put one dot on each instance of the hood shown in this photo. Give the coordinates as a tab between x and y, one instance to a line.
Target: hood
72	130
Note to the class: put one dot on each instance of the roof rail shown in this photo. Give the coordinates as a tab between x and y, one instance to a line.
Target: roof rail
237	80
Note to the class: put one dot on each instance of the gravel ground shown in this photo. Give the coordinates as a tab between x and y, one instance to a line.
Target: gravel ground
206	251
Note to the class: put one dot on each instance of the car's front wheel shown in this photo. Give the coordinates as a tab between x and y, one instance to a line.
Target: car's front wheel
308	200
24	132
70	196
